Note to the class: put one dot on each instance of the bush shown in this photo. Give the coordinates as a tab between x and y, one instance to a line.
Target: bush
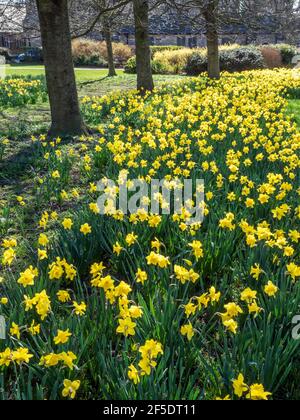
160	48
94	53
157	67
272	57
92	60
287	52
86	53
196	63
173	60
242	58
130	66
237	59
122	52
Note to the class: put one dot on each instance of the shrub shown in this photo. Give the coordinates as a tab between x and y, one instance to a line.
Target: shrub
122	52
272	57
86	52
160	48
130	66
242	58
174	61
237	59
84	47
94	53
287	52
92	60
157	67
226	47
196	63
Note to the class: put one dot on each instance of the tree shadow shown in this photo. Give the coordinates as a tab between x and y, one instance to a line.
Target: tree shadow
20	164
91	82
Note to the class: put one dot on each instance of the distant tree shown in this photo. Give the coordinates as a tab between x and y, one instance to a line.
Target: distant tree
109	47
281	18
203	12
110	14
103	16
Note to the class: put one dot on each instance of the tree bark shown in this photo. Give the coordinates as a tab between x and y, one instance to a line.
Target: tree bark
109	47
213	57
142	42
60	74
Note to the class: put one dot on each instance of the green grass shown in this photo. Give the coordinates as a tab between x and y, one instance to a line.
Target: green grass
91	81
82	75
294	110
104	85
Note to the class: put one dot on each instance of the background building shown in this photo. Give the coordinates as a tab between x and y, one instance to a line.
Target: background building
19	29
12	17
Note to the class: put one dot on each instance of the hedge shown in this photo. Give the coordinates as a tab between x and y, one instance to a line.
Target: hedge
232	58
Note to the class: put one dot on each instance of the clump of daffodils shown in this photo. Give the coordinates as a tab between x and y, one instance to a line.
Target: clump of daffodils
149	352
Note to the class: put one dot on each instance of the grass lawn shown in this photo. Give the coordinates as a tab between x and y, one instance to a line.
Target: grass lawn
104	85
294	109
91	81
82	75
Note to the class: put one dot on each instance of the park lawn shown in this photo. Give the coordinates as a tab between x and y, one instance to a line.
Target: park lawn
294	110
82	74
92	82
123	82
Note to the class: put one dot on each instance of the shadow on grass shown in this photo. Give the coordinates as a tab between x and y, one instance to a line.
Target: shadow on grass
91	82
19	165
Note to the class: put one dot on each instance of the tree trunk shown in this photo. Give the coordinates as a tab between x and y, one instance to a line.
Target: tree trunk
142	42
109	47
210	15
60	75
